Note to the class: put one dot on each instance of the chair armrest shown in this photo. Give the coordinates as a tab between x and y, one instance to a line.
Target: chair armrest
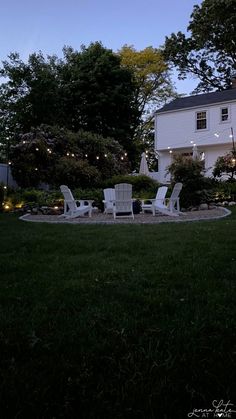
149	200
86	202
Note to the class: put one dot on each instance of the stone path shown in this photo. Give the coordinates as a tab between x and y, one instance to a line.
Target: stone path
147	218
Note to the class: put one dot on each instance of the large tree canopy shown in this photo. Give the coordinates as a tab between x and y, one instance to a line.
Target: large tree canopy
87	89
209	53
151	76
153	88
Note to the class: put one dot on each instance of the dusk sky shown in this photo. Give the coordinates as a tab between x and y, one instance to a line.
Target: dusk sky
28	26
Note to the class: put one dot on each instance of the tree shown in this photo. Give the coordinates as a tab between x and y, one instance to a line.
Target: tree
152	89
99	93
55	155
87	89
31	95
225	165
209	53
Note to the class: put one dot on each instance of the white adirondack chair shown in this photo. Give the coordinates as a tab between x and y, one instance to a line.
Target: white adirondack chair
71	209
109	198
160	199
172	205
123	204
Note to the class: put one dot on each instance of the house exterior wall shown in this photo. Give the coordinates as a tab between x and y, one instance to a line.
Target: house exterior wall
175	131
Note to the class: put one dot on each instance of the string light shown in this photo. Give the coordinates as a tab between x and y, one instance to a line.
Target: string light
37	149
97	157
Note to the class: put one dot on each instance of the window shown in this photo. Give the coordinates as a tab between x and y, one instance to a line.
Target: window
224	114
201	120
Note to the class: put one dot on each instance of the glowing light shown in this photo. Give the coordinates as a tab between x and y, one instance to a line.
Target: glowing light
19	205
37	149
97	157
72	155
191	142
168	148
36	168
216	135
86	155
9	163
4	187
125	154
170	151
122	158
6	206
67	154
24	142
194	145
56	208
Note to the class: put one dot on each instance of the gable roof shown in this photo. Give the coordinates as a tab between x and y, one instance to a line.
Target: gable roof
199	100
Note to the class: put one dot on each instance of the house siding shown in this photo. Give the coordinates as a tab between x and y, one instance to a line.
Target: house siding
176	131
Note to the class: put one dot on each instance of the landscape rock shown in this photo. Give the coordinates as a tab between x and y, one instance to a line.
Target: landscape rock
203	207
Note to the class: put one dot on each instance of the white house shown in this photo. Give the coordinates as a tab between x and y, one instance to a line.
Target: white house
203	124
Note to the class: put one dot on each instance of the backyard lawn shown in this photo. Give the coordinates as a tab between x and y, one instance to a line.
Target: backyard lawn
116	321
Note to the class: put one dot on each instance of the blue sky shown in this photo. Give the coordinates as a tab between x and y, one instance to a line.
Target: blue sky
28	26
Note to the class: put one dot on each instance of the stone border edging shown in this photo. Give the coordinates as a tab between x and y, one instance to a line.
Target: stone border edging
112	222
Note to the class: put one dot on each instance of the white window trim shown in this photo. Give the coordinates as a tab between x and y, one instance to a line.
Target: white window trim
229	114
207	120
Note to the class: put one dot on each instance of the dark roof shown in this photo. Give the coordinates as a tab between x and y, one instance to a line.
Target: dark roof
199	100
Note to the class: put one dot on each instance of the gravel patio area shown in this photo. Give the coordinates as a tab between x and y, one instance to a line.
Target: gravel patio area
143	218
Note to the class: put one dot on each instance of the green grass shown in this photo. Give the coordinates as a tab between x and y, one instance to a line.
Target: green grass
126	321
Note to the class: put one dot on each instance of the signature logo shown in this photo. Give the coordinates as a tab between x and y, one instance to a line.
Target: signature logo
219	409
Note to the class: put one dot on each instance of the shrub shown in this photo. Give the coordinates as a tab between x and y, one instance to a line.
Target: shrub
141	184
54	156
189	172
75	173
224	191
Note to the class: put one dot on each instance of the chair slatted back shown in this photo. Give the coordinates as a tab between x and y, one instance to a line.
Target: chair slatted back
69	201
123	197
176	191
